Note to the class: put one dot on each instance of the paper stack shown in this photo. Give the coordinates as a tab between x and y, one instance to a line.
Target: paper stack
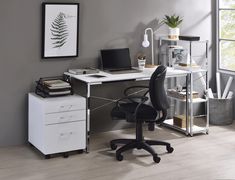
53	87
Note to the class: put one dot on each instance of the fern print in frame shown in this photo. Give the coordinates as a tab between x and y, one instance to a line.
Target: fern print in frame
60	30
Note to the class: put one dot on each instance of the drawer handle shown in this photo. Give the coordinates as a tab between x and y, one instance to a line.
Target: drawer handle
65	135
62	117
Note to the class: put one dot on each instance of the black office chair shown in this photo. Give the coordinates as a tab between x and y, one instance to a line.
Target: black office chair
133	109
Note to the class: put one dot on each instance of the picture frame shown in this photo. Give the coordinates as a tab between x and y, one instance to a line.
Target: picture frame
60	30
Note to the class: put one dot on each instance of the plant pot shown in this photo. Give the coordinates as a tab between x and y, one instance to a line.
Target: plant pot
174	33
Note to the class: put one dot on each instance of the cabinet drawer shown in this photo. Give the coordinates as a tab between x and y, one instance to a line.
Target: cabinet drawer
64	137
63	106
64	117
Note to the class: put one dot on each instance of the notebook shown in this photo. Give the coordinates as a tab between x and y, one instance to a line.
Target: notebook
117	61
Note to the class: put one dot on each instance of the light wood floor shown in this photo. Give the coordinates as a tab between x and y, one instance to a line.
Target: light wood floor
200	157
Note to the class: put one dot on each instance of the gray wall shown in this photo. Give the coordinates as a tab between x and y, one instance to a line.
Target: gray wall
103	24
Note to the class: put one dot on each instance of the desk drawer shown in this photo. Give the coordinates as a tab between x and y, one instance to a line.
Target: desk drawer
64	117
64	137
54	107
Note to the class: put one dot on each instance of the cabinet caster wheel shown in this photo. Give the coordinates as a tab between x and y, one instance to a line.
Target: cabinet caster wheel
156	159
80	151
119	157
169	149
47	156
65	155
113	146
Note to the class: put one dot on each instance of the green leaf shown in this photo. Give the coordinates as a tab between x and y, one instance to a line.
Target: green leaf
172	21
59	31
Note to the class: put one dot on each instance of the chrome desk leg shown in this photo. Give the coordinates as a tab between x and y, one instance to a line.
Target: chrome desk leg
88	117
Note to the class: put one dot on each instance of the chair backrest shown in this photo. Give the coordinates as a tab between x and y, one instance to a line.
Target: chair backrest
157	91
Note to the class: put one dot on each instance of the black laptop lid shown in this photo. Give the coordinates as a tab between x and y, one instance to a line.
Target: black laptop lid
116	59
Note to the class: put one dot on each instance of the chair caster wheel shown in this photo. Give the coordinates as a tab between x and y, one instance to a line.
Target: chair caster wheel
169	149
156	159
119	157
113	146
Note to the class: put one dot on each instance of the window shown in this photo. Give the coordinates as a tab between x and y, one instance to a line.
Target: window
226	35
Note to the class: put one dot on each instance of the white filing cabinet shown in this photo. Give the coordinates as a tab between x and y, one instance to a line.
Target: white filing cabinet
58	124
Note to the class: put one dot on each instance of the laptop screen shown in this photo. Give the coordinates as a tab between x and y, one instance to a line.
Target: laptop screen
116	59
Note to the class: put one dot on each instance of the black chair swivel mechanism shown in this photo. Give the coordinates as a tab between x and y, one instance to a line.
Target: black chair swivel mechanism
137	112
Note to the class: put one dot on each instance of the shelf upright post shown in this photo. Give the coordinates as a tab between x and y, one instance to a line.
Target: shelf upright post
191	104
187	104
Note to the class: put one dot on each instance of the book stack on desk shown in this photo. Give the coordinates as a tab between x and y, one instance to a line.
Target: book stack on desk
53	87
83	71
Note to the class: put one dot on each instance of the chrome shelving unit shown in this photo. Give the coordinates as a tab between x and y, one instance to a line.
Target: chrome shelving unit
193	124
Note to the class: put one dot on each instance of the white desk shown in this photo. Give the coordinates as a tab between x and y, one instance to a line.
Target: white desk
144	75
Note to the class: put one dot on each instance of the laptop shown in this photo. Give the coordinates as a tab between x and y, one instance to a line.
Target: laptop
117	61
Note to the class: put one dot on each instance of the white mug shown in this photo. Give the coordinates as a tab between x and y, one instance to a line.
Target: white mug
141	64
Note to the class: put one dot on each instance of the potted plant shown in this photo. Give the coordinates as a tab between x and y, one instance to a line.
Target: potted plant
141	58
173	22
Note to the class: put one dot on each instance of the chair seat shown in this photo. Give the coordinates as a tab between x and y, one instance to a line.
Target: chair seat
145	112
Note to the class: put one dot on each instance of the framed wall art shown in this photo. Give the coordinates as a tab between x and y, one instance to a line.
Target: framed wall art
60	31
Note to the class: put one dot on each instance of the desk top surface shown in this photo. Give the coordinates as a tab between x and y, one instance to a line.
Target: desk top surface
107	77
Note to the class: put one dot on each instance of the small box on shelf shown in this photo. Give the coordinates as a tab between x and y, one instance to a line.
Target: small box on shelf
180	121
